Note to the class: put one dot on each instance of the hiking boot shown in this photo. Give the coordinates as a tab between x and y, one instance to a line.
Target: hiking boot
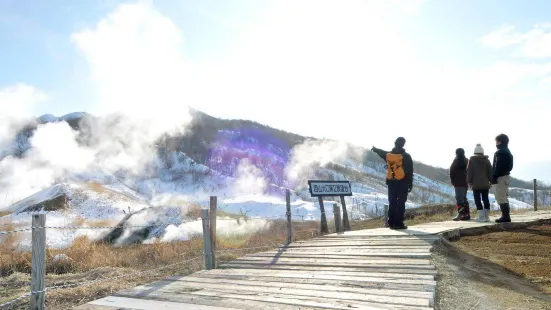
399	227
505	214
467	212
459	216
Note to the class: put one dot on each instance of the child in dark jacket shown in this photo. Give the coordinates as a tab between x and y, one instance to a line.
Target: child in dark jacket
479	176
458	176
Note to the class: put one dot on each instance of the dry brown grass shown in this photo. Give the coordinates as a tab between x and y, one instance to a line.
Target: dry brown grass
90	260
4	213
98	188
525	251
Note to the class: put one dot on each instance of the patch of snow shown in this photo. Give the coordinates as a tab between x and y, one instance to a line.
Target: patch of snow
47	118
44	195
73	116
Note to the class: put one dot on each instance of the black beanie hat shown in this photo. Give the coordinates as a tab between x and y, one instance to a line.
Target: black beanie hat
460	152
400	142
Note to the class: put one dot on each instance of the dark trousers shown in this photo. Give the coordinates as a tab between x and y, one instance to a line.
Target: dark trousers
481	195
461	195
397	197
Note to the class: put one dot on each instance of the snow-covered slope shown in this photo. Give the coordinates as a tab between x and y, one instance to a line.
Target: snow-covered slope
242	163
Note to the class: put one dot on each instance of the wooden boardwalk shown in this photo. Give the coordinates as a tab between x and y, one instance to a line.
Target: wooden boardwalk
367	269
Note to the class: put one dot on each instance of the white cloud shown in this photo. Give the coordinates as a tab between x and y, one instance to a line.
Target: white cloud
20	100
136	64
534	43
17	102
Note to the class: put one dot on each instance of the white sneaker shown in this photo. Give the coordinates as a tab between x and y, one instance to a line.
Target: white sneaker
486	215
481	216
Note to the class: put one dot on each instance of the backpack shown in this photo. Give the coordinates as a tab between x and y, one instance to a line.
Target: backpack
394	167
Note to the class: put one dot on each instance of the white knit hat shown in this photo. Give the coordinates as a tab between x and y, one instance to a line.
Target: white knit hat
478	149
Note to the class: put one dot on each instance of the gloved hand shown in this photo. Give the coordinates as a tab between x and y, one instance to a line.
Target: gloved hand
494	181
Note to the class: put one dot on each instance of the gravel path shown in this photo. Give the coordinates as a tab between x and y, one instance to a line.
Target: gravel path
468	282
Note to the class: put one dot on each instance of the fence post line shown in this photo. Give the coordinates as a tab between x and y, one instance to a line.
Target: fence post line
38	269
212	215
289	219
337	215
385	218
535	195
207	249
345	220
324	228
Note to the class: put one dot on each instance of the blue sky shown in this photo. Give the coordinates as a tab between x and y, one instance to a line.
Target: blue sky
453	71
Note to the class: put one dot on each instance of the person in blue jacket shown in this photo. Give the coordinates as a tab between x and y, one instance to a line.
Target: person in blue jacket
501	176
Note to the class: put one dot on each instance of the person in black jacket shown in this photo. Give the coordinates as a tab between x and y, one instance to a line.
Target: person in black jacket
458	176
501	170
399	181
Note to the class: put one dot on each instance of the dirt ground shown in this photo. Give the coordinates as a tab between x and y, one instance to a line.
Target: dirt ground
503	270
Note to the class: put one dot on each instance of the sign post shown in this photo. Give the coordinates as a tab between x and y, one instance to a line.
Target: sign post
330	188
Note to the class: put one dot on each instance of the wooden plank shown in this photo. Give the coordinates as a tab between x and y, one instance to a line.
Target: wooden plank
277	299
419	231
349	286
413	231
281	288
348	260
117	303
364	240
366	244
369	238
340	255
249	302
329	278
343	264
332	303
403	270
221	300
374	247
345	236
315	271
360	242
405	289
354	250
389	249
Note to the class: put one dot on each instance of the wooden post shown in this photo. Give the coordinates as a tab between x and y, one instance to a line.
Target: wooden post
337	215
289	218
386	216
345	221
212	217
38	269
535	195
207	249
324	228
